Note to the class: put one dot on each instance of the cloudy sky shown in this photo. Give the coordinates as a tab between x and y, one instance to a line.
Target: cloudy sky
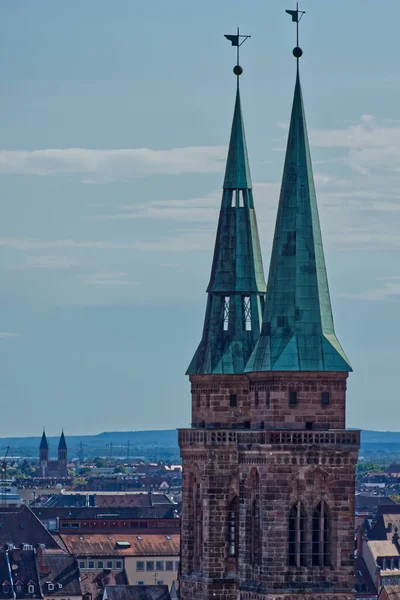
115	118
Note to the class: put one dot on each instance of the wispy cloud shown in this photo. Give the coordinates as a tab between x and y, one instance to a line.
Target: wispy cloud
8	334
47	262
109	279
100	165
389	289
371	146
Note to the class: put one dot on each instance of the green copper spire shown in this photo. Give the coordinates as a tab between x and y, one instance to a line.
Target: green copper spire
237	286
298	332
237	174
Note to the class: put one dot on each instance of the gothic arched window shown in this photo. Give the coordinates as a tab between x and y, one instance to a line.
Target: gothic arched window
233	522
320	535
255	520
197	522
296	535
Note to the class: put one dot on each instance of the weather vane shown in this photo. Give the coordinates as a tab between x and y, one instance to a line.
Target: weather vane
297	15
237	40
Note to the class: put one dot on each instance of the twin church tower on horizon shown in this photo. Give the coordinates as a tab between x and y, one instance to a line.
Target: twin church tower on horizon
268	465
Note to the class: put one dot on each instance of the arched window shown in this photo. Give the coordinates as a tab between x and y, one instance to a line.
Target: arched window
320	535
255	519
296	534
197	522
233	522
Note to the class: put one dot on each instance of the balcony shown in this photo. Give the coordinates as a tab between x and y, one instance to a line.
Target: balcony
284	439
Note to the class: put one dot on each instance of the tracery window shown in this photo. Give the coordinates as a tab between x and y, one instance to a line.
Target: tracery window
197	523
320	535
255	520
233	522
296	535
225	312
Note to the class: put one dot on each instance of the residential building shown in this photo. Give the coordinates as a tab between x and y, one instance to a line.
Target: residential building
148	558
162	518
268	465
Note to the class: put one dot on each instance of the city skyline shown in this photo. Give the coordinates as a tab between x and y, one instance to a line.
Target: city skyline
111	172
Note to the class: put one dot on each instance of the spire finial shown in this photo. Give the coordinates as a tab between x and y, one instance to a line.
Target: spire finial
235	39
297	15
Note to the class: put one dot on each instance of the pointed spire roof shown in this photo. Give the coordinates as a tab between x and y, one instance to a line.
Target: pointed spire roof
237	285
62	444
43	442
237	173
298	332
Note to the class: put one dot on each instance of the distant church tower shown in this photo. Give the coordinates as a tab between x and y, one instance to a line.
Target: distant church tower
53	468
62	449
268	466
43	453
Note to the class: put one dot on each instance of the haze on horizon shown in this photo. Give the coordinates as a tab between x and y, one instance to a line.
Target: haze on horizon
115	118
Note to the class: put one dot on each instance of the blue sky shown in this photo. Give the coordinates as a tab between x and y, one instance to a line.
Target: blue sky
114	121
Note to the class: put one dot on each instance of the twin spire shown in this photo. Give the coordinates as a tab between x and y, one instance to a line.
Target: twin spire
296	332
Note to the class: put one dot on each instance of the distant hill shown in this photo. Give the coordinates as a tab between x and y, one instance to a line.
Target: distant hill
158	442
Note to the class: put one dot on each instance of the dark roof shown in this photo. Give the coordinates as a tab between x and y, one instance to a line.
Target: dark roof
23	571
146	499
87	512
43	442
393	468
62	444
362	579
59	570
18	526
94	582
369	502
137	592
388	509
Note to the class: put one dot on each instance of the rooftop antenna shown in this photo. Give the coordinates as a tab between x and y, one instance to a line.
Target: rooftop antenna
297	15
237	40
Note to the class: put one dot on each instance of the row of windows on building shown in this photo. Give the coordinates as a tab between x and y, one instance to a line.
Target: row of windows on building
390	581
158	582
292	399
31	588
101	564
388	563
298	549
158	565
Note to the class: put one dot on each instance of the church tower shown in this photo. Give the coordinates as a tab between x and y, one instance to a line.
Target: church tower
268	496
220	391
62	449
43	453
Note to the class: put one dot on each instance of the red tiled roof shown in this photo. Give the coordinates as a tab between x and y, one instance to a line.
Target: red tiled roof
98	544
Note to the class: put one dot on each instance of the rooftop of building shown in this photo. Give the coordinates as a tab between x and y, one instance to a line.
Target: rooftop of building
19	526
362	579
159	511
391	592
383	548
136	592
107	499
60	572
122	544
369	503
95	582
